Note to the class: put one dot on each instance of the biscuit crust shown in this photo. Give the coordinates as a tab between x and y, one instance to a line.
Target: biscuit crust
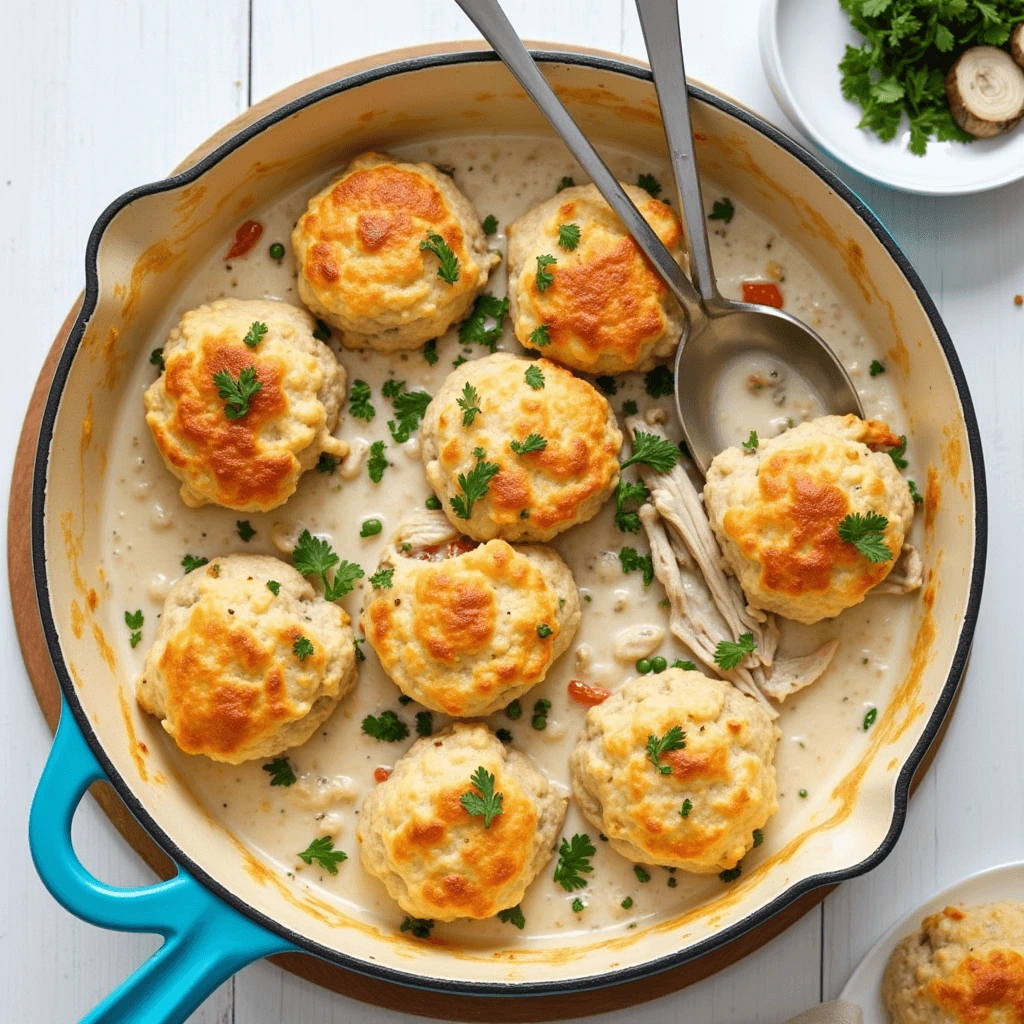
435	859
776	511
606	311
533	496
223	674
360	265
725	770
251	464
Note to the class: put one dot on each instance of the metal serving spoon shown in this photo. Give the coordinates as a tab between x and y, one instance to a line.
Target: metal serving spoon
719	331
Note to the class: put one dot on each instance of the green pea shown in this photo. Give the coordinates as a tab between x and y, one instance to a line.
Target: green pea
658	664
643	666
540	722
277	251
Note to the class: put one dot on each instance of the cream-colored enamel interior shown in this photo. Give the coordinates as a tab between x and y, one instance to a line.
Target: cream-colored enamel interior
114	524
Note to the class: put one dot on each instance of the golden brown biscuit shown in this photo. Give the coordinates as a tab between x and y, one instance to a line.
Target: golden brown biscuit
724	771
252	463
605	310
465	629
776	513
438	861
228	673
361	266
965	966
537	494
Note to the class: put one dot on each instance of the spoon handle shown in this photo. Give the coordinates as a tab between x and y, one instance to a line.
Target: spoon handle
659	20
490	19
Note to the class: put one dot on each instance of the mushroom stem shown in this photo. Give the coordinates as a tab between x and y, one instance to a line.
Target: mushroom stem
986	91
1017	44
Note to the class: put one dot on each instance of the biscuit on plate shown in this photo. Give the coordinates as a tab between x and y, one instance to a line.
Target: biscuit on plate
964	966
463	628
436	859
568	439
250	462
701	814
604	309
777	511
360	260
238	672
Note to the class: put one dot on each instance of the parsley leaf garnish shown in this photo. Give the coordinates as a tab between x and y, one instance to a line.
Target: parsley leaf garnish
684	811
475	484
448	268
190	563
866	534
629	522
322	332
751	443
274	587
544	278
897	453
914	493
313	556
574	861
281	772
134	620
629	407
722	209
467	403
486	307
490	224
758	836
630	561
544	630
236	394
578	906
409	409
566	182
381	579
486	803
323	852
387	727
568	236
686	666
424	723
731	874
535	377
359	653
156	357
514	915
606	384
674	739
642	874
419	926
391	388
359	401
659	381
326	464
657	452
540	336
245	530
255	335
649	183
377	462
533	443
430	352
729	653
876	368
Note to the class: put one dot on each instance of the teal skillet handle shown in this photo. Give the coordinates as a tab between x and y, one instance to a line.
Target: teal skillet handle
206	940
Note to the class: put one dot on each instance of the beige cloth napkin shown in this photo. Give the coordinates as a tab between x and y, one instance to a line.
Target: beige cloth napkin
839	1012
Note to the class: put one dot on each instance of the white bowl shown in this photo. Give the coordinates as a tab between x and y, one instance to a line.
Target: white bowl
802	42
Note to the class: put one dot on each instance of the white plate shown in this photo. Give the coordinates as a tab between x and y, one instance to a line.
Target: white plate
1005	882
802	42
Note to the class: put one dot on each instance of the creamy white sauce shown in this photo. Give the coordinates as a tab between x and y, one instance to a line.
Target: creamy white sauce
150	530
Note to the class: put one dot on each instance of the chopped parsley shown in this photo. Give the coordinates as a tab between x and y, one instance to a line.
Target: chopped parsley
409	409
190	563
574	862
236	394
323	852
686	666
419	926
313	556
869	718
386	727
568	236
355	644
134	621
274	587
255	334
866	534
540	336
659	381
674	739
629	408
392	387
657	452
731	875
722	209
728	653
433	503
897	453
914	493
627	903
381	579
876	368
430	352
606	384
281	772
514	915
533	443
377	462
359	401
752	442
486	803
578	906
404	699
467	403
504	735
625	520
302	648
514	710
245	530
370	528
474	331
475	484
490	224
544	630
684	811
544	278
649	183
326	464
631	560
535	377
424	723
322	332
566	182
448	264
156	357
758	837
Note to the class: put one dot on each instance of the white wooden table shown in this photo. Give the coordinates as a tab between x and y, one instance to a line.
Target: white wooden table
101	96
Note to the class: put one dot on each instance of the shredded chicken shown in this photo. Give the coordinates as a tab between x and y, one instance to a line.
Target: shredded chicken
791	674
906	576
422	528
